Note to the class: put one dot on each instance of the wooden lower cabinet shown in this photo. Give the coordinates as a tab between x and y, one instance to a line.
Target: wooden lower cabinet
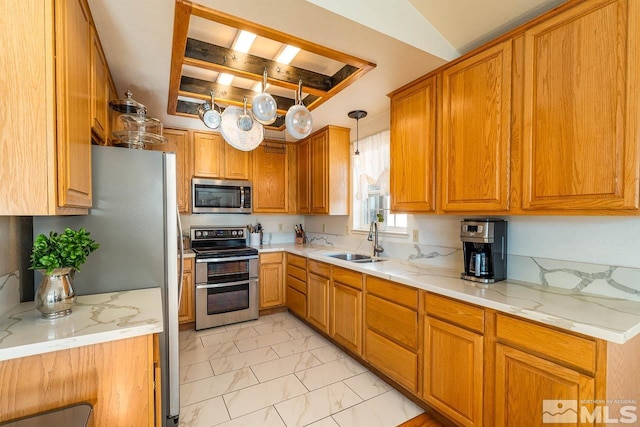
345	308
392	337
296	284
318	275
186	310
524	381
453	371
271	280
116	378
400	364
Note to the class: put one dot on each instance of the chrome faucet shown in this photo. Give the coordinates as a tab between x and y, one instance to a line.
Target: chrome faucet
373	236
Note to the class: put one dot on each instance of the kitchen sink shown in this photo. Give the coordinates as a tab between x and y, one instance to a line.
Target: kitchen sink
359	258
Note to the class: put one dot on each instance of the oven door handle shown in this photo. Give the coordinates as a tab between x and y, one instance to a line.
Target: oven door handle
223	285
234	258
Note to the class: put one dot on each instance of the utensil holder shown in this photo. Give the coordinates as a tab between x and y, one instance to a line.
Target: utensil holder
299	240
254	239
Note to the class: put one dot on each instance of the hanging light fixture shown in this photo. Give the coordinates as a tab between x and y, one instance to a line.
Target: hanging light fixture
357	114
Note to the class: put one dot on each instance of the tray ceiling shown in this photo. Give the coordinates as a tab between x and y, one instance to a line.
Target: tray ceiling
206	46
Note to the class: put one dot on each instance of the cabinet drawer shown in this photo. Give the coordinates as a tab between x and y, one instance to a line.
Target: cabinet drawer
397	362
297	302
457	312
399	294
271	258
573	350
319	268
347	277
297	260
392	320
297	272
297	284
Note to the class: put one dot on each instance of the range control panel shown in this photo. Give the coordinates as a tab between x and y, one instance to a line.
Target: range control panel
217	233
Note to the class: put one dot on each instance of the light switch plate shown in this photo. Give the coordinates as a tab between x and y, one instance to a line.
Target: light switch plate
415	236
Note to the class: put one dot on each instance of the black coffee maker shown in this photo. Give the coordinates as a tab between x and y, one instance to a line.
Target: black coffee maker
484	243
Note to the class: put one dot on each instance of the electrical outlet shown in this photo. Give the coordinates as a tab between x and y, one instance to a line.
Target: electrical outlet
346	230
279	227
324	228
415	236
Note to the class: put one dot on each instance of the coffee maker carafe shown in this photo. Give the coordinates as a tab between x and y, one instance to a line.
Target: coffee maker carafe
484	243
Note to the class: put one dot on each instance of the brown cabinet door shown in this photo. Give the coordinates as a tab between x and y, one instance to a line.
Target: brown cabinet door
186	310
525	385
413	148
271	280
319	152
397	362
270	178
346	316
207	155
178	142
73	89
304	177
580	113
99	89
474	143
453	359
318	301
237	163
296	302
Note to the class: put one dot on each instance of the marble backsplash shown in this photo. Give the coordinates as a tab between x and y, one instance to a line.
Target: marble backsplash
605	280
9	291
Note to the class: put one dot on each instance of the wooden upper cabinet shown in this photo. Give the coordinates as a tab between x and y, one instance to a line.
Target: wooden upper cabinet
214	158
271	178
304	177
413	145
99	90
237	163
179	142
580	113
323	172
319	149
474	142
207	150
73	53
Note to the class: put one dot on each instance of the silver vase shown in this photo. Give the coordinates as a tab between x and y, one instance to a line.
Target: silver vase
55	295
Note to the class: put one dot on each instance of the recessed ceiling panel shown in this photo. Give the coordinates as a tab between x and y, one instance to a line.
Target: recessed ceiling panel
204	47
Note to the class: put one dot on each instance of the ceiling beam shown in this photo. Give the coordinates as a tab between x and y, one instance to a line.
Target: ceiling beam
252	67
242	24
201	89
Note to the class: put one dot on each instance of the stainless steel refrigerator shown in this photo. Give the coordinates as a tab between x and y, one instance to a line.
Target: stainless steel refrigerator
135	220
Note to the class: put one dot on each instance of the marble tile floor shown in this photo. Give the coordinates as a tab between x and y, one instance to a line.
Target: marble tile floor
277	372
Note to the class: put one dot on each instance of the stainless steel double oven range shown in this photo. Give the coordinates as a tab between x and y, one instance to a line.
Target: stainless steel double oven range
226	276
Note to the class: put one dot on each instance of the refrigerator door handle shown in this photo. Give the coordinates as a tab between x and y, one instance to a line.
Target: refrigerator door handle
181	246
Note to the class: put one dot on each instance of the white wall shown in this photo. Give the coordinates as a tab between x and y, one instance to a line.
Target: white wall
591	239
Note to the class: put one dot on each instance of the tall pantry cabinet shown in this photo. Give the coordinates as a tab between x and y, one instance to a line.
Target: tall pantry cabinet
45	131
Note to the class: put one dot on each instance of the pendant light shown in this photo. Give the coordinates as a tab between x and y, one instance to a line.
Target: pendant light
357	114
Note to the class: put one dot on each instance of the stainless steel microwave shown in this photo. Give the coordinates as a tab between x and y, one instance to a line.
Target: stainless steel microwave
220	196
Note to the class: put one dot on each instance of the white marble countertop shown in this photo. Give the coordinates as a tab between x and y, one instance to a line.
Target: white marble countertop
94	319
612	319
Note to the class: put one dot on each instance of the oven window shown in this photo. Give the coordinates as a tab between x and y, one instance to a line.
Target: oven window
227	298
215	196
227	271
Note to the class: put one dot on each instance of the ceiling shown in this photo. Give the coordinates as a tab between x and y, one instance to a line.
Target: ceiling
405	42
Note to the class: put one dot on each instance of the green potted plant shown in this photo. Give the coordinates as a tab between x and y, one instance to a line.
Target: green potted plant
57	257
